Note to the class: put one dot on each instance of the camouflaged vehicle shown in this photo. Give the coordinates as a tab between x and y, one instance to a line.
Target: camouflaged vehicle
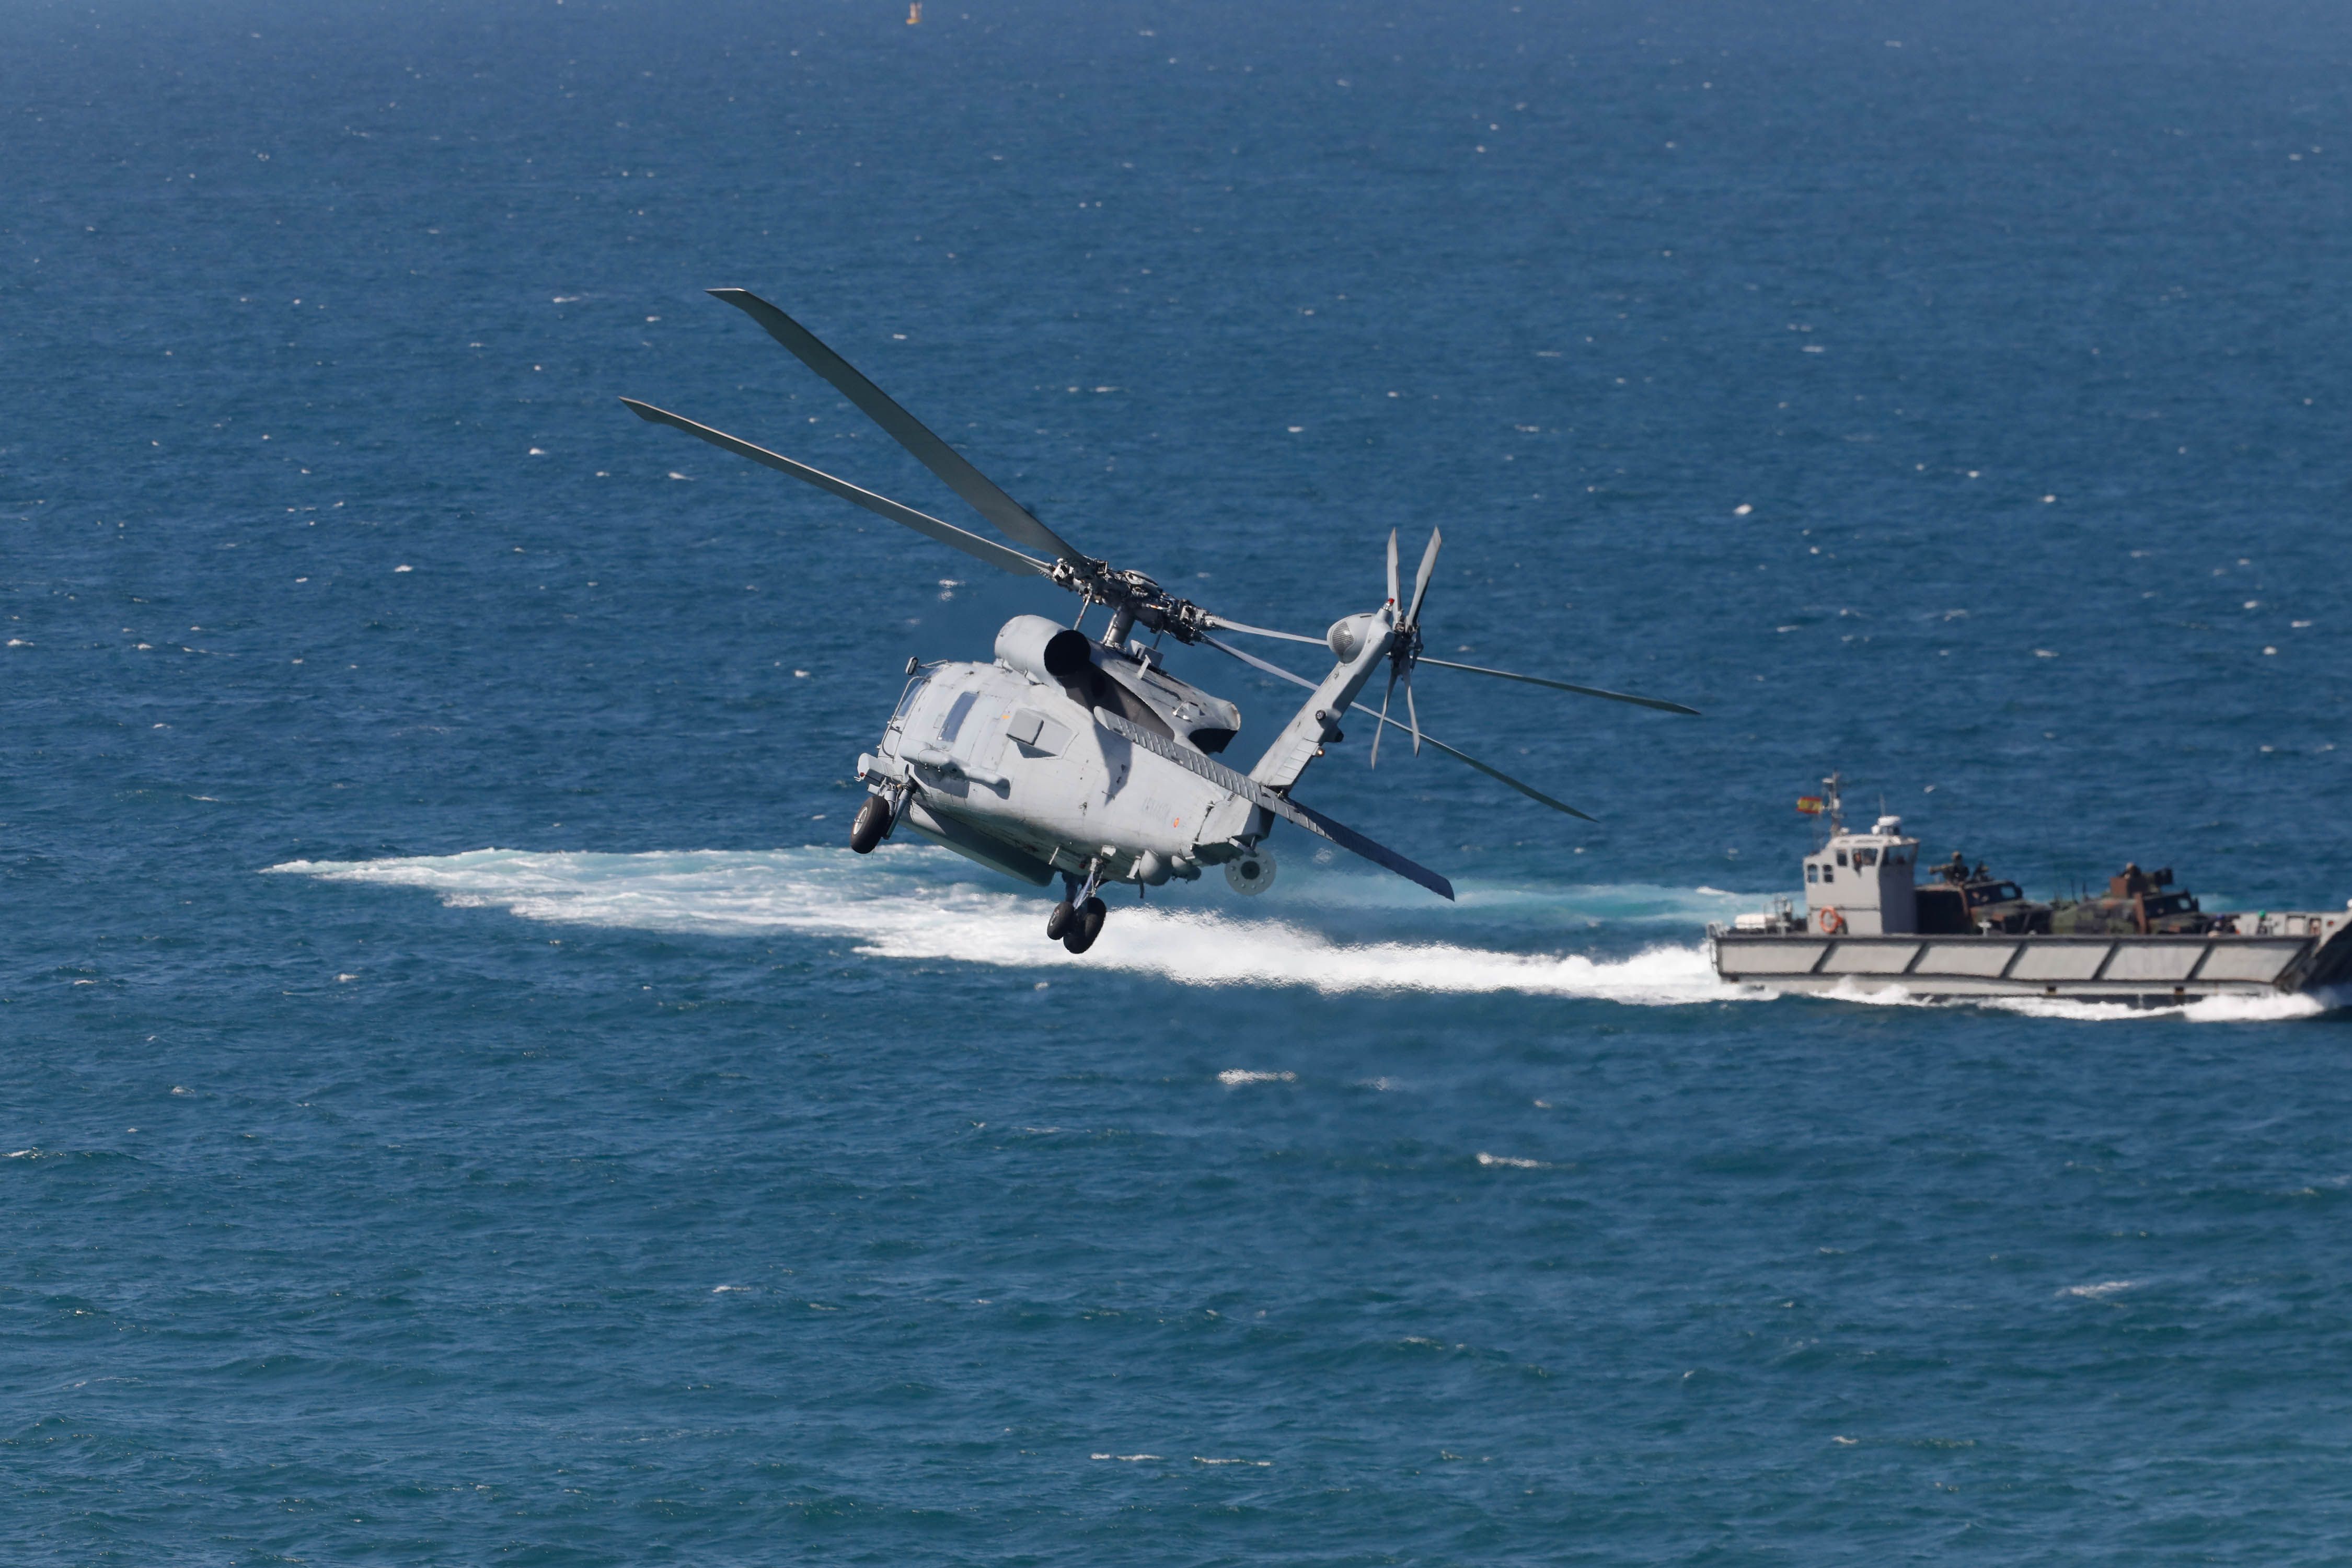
1869	925
2135	902
1962	901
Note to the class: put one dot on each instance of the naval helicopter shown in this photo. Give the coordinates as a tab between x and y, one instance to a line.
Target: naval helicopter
1082	756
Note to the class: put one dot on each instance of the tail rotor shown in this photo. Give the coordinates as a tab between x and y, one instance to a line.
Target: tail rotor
1404	650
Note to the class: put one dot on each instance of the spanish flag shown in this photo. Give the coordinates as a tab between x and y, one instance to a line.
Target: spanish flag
1811	804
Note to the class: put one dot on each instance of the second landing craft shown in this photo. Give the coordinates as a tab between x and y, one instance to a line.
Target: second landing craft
1082	756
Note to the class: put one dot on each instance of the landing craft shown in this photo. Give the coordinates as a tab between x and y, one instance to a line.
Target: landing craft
1867	925
1081	756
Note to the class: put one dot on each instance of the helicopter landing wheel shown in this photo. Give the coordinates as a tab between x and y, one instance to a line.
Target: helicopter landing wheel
1085	924
873	825
1059	921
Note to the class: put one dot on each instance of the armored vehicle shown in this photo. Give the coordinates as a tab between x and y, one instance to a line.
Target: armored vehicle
2135	902
1868	924
1961	901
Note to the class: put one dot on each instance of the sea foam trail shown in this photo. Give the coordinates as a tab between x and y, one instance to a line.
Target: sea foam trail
893	904
891	910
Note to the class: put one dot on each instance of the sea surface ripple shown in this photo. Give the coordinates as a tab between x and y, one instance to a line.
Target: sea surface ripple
461	1101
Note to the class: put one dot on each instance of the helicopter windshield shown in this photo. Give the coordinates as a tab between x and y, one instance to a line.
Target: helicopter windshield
907	697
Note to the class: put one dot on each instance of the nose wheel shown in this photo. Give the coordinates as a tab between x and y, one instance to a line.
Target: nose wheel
874	820
1078	920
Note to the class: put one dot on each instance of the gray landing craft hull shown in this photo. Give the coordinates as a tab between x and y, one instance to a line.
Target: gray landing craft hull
2143	971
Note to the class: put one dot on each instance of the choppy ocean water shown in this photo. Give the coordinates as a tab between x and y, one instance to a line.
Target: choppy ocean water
463	1101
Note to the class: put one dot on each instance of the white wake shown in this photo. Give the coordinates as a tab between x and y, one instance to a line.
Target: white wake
896	904
890	908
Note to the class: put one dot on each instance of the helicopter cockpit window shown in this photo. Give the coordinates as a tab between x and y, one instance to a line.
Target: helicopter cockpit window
957	710
907	699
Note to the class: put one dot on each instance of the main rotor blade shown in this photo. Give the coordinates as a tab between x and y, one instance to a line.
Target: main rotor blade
1377	853
1411	711
1420	586
978	490
1276	669
987	549
1375	760
1273	801
1260	631
1526	789
1658	702
1392	565
1257	663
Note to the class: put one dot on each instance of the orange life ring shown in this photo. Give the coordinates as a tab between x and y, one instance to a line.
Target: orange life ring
1830	921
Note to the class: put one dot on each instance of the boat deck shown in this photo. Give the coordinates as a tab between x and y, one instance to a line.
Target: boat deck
2145	970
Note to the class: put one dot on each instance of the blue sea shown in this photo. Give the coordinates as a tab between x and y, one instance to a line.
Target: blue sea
463	1102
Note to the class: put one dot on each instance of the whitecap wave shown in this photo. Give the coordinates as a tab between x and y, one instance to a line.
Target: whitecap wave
893	904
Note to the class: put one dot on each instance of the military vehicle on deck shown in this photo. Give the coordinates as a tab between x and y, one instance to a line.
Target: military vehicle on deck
1868	924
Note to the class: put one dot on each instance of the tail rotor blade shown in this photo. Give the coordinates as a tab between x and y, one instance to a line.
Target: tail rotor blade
1392	567
1420	583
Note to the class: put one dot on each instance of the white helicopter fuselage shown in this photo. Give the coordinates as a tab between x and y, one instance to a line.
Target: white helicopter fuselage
1024	768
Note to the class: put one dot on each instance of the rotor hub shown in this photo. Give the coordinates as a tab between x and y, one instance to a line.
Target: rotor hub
1134	597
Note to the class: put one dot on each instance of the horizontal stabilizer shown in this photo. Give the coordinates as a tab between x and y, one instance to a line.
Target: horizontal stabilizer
1281	806
988	549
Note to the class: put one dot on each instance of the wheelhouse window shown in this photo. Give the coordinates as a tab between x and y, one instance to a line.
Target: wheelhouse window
1866	857
1813	872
